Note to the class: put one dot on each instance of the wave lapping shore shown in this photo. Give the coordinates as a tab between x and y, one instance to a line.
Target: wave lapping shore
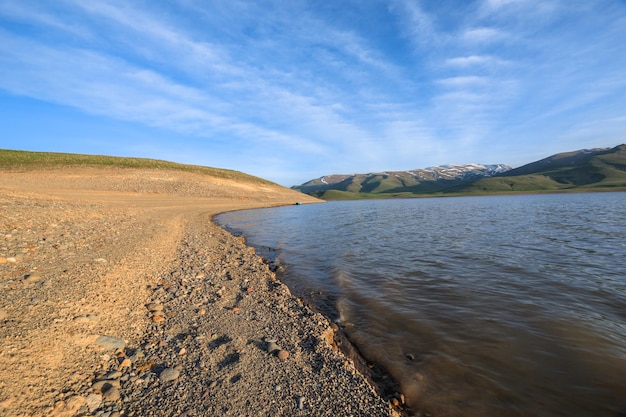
120	297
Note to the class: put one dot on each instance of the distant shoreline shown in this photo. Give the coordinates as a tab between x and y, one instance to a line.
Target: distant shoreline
506	193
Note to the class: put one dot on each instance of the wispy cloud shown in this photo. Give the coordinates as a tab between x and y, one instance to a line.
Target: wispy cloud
476	61
497	4
408	82
464	81
417	25
483	35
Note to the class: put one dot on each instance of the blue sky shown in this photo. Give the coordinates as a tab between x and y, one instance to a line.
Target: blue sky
293	90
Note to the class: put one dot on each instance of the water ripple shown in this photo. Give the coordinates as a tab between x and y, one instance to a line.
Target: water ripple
509	306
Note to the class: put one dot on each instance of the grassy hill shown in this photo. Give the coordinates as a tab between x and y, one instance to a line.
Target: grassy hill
585	170
396	183
24	160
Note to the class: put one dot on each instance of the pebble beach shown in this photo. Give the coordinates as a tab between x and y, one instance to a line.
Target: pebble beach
121	297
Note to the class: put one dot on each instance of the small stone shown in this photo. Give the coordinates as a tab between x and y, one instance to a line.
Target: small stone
154	307
33	278
110	342
410	356
93	401
200	275
137	355
3	260
213	384
111	394
236	309
300	403
182	352
273	347
11	260
73	403
169	374
395	402
157	318
283	355
58	406
104	384
126	363
201	312
113	375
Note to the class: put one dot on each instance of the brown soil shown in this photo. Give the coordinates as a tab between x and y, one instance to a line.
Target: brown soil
133	254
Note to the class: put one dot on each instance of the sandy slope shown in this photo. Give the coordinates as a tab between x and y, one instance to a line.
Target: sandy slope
83	252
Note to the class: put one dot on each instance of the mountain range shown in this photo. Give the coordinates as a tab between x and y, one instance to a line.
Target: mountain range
586	169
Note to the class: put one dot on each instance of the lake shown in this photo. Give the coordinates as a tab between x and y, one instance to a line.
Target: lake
477	306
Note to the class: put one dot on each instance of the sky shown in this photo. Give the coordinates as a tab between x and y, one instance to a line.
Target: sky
291	90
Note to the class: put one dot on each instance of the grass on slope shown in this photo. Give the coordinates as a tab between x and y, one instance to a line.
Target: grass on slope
605	171
26	160
558	180
504	184
347	195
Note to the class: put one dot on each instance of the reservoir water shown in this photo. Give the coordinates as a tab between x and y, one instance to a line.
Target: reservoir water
477	306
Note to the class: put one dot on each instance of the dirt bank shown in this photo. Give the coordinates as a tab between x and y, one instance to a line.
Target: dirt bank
119	296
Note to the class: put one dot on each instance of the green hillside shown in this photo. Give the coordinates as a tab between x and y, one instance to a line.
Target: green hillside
597	169
583	170
397	183
25	160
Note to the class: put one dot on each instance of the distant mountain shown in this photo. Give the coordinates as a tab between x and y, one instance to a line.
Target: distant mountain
587	169
393	183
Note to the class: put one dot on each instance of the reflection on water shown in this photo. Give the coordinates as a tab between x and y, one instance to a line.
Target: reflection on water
478	306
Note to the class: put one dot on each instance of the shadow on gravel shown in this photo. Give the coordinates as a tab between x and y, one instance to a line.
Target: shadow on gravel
259	344
222	340
231	359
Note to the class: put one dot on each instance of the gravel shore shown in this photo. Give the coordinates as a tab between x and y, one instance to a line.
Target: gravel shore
120	297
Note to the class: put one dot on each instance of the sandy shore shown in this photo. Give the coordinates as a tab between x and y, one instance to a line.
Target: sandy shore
119	296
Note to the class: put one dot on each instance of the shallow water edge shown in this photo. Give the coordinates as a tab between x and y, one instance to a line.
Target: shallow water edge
494	306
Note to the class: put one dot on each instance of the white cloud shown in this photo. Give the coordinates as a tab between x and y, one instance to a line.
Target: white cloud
19	11
101	85
476	61
417	25
496	4
464	81
483	35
